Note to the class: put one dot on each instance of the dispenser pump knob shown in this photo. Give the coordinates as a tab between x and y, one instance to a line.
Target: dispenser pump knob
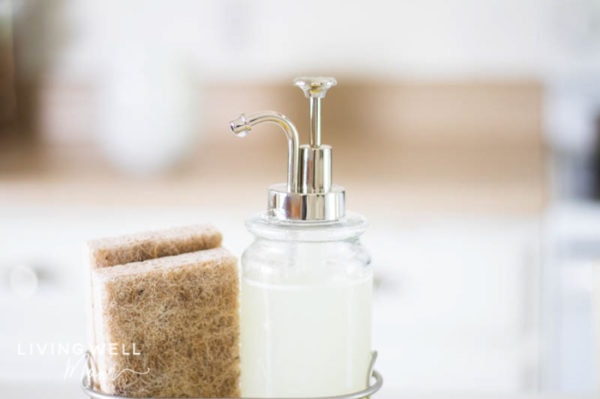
315	87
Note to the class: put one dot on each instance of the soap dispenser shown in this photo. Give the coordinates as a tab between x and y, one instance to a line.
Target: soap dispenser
306	282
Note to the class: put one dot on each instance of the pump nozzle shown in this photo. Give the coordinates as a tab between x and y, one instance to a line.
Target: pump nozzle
243	125
308	194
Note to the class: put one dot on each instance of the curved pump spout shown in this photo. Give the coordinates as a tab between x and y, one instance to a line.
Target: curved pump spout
309	195
243	125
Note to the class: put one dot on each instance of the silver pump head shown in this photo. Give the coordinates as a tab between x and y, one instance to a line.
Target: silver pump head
308	194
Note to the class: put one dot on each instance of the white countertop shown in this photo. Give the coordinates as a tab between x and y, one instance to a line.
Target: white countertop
72	391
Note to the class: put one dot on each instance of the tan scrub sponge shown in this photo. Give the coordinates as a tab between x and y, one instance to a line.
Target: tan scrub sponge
152	244
165	317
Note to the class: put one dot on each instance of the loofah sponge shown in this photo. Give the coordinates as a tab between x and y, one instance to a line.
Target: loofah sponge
165	326
153	244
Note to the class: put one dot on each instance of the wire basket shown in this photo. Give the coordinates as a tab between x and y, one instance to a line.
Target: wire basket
374	383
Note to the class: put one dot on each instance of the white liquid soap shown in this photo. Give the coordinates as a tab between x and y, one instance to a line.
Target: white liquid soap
304	340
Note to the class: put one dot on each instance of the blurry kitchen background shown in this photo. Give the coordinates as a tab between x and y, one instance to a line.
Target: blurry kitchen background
467	131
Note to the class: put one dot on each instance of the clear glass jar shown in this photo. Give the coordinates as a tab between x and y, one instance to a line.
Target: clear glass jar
306	291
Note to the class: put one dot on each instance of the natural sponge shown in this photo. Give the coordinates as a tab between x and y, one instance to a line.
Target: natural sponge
165	326
152	244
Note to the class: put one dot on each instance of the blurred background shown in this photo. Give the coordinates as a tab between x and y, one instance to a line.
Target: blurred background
468	132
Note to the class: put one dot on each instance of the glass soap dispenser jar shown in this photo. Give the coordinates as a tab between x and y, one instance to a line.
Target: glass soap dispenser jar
306	283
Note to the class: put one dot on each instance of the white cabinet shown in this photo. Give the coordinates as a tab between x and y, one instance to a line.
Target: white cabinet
571	293
455	303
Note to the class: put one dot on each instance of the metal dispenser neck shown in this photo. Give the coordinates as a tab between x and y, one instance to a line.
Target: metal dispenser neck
308	194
